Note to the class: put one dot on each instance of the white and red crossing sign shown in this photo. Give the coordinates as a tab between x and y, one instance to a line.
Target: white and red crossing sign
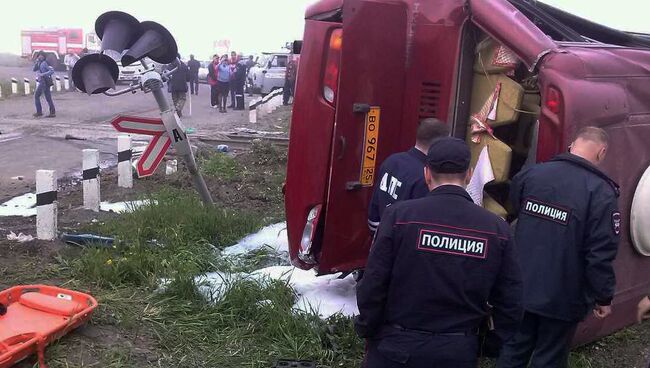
153	155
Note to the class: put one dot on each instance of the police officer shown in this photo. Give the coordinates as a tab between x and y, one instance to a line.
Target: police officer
567	237
436	264
400	175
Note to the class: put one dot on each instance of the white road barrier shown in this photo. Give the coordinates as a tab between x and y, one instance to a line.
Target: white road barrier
90	176
66	83
27	86
124	155
46	204
14	86
58	83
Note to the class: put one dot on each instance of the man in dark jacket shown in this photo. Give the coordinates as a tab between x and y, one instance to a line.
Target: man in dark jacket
401	175
194	67
239	82
290	74
437	266
178	85
567	233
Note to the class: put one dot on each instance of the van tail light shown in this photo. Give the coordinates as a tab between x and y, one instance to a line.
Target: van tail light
305	253
553	100
332	66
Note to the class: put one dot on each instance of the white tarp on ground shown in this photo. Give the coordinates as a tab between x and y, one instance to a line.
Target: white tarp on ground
325	295
122	207
24	205
273	237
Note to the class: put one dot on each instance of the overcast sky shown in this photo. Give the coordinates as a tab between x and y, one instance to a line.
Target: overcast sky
250	25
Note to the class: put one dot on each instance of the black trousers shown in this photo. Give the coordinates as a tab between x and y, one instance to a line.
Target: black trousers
214	95
223	94
543	342
404	349
232	86
287	91
239	95
194	84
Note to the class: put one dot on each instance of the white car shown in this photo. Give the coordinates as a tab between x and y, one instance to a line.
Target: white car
129	73
269	72
203	72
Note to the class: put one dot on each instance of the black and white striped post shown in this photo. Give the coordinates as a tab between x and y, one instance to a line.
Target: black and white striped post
28	87
14	86
46	204
58	83
252	110
124	155
90	176
66	83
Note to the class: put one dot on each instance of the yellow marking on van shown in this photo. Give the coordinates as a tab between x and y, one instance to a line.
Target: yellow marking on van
369	161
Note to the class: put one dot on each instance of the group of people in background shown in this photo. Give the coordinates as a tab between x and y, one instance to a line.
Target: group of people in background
227	75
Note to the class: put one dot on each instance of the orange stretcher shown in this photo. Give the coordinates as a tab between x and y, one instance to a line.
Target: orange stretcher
32	316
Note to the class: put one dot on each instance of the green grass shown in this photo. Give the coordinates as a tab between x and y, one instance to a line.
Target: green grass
220	165
174	235
252	326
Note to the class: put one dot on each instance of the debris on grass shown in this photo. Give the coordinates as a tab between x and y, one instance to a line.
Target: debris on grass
20	238
322	295
272	237
123	207
24	205
87	239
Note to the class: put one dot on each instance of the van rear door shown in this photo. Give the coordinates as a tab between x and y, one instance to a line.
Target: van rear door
367	125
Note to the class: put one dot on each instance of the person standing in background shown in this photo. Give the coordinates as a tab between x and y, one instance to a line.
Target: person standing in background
233	83
240	81
70	60
289	80
44	81
178	85
223	82
250	63
213	70
194	67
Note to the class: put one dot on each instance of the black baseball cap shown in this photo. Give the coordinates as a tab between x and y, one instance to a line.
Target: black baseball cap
448	155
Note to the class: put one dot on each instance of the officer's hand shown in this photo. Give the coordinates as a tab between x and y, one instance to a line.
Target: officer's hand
643	311
602	311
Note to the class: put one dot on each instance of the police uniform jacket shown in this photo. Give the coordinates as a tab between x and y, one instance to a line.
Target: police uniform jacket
401	177
435	265
567	234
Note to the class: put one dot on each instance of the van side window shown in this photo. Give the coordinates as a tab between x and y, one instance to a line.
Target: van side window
281	61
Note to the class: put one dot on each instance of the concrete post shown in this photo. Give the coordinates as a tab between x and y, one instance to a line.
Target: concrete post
58	83
124	168
46	204
66	83
90	177
27	86
14	86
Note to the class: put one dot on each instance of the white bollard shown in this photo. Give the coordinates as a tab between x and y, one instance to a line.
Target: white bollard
124	168
66	83
268	108
252	116
90	177
58	83
27	86
171	167
46	204
14	86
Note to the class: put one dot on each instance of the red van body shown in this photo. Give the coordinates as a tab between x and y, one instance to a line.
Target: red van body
401	61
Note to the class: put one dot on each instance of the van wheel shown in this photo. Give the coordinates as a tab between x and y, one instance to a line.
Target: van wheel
640	215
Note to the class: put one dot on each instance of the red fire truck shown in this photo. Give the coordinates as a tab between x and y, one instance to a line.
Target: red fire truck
57	42
528	73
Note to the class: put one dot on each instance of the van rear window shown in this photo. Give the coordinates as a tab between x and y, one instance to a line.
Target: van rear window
566	27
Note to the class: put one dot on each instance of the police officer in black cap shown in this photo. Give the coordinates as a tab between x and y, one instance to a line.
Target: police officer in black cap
567	237
400	175
437	266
